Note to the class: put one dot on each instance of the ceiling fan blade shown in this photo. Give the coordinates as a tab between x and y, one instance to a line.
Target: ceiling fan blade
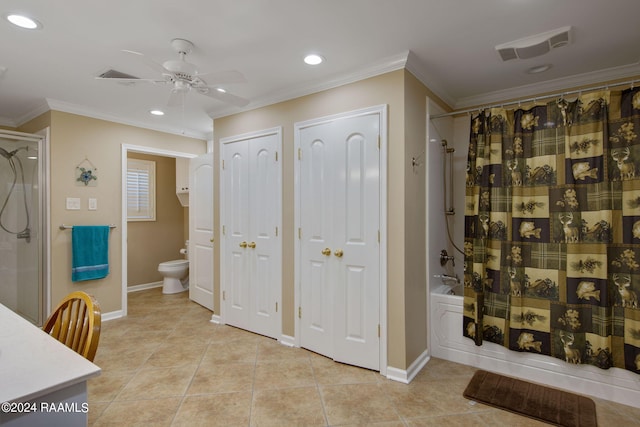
223	96
150	63
130	80
220	77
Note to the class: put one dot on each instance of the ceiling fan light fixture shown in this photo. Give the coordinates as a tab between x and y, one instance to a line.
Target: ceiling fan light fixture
23	21
156	112
313	59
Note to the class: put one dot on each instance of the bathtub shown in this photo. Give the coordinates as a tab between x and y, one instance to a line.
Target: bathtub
446	342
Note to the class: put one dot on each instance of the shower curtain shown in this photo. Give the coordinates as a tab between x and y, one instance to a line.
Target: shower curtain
552	229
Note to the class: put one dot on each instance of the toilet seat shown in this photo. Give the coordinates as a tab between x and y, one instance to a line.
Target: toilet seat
173	265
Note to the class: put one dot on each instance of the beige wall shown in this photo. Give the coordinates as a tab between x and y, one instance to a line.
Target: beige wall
72	138
144	252
415	218
406	298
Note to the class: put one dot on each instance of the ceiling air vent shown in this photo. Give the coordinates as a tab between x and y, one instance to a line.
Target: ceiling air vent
114	74
530	47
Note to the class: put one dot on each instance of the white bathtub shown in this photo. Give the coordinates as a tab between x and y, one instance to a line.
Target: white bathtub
446	342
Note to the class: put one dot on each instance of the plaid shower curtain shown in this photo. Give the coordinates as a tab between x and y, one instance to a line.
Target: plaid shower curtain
552	229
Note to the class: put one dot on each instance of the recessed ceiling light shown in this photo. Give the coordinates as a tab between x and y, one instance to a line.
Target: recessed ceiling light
313	59
538	69
219	89
23	21
157	112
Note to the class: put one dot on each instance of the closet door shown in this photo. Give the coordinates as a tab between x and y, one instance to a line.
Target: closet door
355	231
264	244
317	185
252	288
339	208
235	290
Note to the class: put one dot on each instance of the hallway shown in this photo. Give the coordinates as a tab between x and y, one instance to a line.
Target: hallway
167	365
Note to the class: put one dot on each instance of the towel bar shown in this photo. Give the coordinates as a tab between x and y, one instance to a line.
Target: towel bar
68	227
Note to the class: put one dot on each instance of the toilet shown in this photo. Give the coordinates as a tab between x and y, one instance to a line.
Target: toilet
176	274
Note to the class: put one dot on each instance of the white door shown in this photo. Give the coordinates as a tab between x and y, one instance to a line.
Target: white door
339	230
264	249
235	205
201	230
251	201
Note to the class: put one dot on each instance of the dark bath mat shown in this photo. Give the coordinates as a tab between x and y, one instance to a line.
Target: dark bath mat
532	400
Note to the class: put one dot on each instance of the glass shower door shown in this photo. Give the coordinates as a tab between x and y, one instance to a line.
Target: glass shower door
21	240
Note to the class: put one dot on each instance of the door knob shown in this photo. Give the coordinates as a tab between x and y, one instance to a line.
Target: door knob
211	240
252	245
338	253
243	244
326	252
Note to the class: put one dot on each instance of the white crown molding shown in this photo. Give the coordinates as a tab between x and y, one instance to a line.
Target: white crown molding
417	68
557	85
386	65
6	121
66	107
42	108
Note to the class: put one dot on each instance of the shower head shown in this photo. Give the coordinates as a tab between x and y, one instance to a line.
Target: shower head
9	154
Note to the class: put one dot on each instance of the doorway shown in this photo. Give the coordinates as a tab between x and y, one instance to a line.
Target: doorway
125	150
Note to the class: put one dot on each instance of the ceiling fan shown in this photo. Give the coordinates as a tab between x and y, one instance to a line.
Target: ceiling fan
183	77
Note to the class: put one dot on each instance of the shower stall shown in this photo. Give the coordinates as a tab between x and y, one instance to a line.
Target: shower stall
22	224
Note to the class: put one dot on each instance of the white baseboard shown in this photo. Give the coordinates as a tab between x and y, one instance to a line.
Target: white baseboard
406	376
144	287
112	315
215	318
287	340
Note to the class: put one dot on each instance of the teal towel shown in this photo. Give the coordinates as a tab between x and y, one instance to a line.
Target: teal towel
90	252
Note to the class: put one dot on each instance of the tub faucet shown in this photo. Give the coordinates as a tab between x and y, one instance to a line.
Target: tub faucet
447	278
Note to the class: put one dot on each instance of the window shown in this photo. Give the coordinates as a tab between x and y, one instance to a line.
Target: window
141	190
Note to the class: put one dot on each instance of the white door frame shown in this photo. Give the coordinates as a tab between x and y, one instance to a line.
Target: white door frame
382	111
125	149
223	246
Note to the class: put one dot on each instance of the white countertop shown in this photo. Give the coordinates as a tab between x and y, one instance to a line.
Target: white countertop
33	364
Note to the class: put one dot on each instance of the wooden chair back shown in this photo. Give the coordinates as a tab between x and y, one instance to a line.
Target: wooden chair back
76	323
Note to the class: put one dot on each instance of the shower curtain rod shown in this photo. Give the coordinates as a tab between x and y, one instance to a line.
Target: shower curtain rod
534	99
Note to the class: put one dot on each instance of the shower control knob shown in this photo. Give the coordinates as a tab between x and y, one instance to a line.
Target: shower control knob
445	257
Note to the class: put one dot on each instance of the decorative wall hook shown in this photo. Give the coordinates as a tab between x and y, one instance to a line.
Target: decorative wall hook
86	173
416	161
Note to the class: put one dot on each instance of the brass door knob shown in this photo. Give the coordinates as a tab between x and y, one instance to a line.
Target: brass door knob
338	253
326	252
243	244
252	245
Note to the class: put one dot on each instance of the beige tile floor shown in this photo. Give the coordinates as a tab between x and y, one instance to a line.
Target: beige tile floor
166	365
